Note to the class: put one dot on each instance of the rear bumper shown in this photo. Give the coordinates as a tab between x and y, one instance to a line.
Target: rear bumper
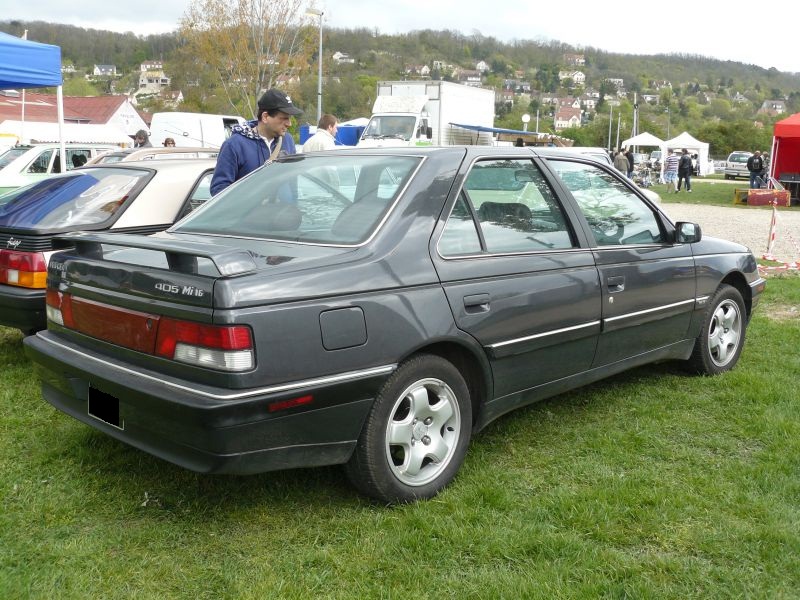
205	429
22	308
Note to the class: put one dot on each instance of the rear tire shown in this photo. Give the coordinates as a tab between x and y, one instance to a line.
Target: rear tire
719	345
416	435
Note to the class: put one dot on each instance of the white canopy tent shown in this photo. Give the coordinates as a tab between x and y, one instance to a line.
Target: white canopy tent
694	146
643	139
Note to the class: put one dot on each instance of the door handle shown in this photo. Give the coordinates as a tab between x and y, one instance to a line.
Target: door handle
477	303
616	283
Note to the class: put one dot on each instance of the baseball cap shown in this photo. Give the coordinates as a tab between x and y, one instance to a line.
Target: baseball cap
276	99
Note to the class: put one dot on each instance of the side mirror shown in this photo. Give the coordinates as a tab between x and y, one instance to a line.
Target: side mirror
687	233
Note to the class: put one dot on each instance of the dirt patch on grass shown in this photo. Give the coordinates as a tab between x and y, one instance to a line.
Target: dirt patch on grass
781	312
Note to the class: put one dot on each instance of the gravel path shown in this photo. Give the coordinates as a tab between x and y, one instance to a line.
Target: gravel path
748	226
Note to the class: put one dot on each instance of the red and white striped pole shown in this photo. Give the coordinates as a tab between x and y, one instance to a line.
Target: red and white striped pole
773	228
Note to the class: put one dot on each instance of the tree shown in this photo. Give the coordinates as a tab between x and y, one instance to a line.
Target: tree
247	44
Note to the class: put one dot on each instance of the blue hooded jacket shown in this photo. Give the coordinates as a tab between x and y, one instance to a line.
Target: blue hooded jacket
242	153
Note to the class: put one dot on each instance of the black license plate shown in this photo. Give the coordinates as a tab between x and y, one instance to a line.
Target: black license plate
104	407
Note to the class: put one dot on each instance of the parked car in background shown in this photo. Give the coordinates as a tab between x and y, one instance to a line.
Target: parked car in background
126	154
142	198
736	165
378	307
25	164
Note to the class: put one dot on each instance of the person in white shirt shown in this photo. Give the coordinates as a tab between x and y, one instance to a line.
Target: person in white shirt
324	138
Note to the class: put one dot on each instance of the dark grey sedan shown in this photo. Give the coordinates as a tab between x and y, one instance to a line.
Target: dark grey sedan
378	307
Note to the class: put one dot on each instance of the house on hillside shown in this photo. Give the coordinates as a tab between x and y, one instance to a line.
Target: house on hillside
575	60
578	78
566	117
151	65
469	77
172	98
569	101
152	81
104	71
773	108
418	70
589	103
341	58
481	66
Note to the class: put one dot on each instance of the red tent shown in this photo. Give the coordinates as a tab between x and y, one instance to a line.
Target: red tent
785	157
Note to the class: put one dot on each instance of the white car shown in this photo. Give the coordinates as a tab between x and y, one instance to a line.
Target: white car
21	165
132	197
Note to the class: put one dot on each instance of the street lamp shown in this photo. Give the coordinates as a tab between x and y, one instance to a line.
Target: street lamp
526	118
315	12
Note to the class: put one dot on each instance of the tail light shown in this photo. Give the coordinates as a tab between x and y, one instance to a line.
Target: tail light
23	269
222	347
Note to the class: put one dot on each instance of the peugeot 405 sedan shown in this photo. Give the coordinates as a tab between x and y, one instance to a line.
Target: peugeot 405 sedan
126	197
377	308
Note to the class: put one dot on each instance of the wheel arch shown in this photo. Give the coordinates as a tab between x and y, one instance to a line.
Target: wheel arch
473	367
737	280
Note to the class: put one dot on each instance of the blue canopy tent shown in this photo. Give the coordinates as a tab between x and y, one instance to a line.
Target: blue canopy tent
26	64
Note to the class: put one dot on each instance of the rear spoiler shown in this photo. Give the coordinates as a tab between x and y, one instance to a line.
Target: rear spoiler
181	256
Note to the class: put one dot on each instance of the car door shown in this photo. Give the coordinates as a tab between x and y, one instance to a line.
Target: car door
518	275
647	281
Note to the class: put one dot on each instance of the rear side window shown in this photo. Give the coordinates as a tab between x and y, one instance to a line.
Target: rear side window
41	163
86	197
614	213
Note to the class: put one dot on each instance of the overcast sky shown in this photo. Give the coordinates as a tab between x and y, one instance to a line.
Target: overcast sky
725	30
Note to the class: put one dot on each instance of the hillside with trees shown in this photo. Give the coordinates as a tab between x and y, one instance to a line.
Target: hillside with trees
718	101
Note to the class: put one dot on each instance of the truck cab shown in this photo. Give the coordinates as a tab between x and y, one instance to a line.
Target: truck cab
396	129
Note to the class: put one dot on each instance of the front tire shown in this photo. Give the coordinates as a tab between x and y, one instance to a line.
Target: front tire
416	435
719	345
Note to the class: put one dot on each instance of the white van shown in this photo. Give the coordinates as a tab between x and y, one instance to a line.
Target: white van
195	130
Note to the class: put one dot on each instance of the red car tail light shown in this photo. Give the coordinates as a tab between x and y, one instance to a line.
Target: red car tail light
59	308
23	269
223	347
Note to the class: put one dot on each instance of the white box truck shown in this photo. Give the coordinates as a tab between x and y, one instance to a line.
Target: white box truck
193	130
422	113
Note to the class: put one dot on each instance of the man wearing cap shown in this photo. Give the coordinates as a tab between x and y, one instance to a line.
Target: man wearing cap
257	142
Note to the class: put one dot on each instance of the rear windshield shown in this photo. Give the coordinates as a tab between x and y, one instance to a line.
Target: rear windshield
739	157
308	198
85	197
11	154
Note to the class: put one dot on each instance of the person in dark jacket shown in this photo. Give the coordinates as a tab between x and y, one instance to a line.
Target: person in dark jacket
257	142
755	164
142	139
631	162
685	170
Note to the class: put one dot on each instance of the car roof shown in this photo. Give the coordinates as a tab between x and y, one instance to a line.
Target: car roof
127	154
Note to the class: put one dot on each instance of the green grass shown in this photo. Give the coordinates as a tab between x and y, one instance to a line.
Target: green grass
653	484
711	189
